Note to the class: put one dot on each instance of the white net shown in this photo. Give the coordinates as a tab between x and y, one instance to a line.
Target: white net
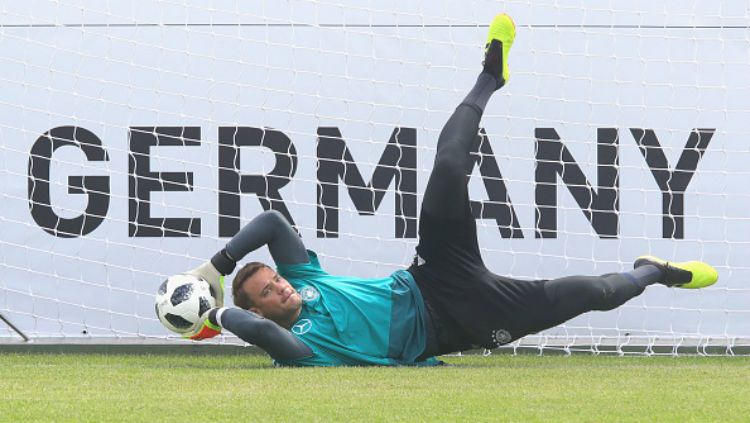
136	137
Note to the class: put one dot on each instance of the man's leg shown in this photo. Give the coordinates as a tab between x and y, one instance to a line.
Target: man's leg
575	295
449	264
446	195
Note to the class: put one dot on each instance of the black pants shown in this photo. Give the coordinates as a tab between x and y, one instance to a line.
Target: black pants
470	306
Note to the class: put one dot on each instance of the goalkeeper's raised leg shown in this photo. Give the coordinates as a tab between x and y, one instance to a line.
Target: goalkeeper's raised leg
446	195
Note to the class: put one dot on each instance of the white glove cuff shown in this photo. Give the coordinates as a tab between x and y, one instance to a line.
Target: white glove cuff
218	315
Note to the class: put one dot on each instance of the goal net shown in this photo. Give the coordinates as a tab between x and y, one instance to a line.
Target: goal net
136	138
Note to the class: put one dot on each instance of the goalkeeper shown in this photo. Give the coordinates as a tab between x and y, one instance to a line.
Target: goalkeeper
447	301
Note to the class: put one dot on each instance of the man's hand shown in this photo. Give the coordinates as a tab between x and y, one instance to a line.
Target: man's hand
215	279
204	329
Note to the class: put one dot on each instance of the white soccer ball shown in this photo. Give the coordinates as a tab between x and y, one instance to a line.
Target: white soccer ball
181	300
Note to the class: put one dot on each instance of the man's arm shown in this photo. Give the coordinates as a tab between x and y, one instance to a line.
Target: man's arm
268	228
278	342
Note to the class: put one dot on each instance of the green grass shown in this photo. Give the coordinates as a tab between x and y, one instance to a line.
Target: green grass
242	388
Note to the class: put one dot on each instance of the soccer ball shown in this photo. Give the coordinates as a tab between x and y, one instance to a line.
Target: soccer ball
181	300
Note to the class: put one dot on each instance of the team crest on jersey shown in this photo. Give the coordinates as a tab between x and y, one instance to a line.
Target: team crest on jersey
501	337
308	294
302	327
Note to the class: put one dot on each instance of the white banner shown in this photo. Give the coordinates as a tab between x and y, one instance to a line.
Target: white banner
662	82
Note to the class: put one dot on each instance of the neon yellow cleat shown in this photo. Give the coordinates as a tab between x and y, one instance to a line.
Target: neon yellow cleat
500	39
689	274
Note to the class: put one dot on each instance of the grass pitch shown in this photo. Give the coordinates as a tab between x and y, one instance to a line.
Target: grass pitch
241	388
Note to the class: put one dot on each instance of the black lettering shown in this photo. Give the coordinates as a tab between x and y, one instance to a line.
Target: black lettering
266	187
673	183
600	207
95	187
398	162
142	182
499	206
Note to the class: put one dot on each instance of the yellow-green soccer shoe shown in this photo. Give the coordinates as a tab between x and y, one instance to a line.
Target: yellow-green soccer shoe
500	39
689	274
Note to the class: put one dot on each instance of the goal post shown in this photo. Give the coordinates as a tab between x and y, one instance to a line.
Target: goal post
135	141
14	328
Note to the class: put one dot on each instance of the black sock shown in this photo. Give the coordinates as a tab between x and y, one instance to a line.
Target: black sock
644	276
493	62
483	89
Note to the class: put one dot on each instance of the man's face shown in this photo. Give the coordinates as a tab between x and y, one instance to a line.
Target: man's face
272	296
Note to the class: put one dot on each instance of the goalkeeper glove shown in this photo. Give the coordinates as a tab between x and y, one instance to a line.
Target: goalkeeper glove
208	272
213	272
205	328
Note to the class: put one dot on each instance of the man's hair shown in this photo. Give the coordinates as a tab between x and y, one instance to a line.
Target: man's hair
241	299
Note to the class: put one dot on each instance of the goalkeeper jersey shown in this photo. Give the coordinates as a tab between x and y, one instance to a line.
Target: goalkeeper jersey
353	321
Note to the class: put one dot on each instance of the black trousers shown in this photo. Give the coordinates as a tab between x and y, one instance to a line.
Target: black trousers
469	306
